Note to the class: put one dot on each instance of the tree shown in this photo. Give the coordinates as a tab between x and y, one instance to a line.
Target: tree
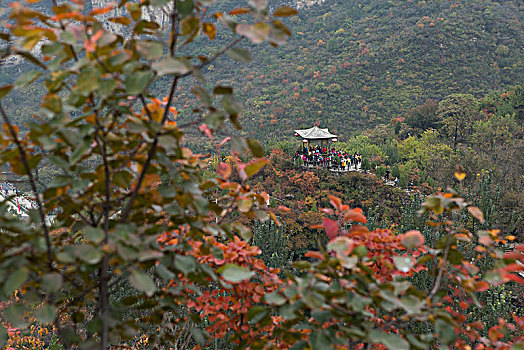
458	113
425	116
97	270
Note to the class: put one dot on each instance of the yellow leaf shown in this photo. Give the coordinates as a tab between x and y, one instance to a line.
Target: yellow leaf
460	176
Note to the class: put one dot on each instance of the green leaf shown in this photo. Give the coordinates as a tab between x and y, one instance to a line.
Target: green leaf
185	7
198	335
137	81
455	256
123	178
15	315
241	55
107	86
149	49
392	341
275	298
46	313
52	282
445	331
202	95
256	33
164	272
15	280
96	235
190	25
256	313
143	282
61	181
321	340
170	65
79	152
285	11
160	3
3	336
253	167
223	90
185	264
403	263
89	254
235	273
88	80
4	90
27	79
255	148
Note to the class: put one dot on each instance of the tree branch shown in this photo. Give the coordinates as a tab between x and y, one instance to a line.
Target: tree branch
23	158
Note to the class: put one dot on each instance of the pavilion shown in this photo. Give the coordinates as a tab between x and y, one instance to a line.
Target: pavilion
316	134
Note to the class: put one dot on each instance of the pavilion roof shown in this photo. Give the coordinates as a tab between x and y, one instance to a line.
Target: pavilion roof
315	133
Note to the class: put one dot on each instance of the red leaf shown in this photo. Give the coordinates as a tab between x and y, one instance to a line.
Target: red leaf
206	130
328	211
481	286
513	268
514	278
223	142
331	228
223	170
283	208
513	255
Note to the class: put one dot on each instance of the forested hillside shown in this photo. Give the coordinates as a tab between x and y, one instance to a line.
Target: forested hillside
353	64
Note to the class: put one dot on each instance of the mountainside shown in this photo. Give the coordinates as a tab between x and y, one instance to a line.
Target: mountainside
353	64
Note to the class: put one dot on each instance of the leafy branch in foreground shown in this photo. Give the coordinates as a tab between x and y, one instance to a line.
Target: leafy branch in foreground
123	174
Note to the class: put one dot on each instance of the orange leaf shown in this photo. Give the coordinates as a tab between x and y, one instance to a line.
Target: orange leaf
240	11
485	240
335	202
477	213
359	230
412	238
315	255
210	30
102	10
355	216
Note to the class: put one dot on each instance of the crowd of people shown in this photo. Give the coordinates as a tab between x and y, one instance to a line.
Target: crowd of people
329	158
